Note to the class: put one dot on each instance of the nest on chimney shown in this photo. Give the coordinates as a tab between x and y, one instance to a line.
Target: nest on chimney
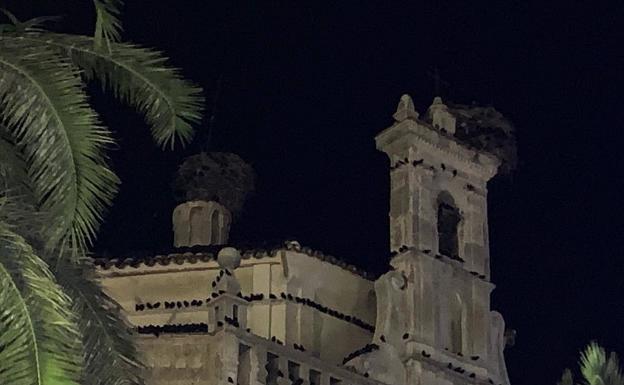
222	177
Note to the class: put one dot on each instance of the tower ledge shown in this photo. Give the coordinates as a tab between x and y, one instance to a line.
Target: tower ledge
406	134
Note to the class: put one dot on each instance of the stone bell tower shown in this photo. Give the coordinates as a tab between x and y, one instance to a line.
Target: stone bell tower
434	176
434	307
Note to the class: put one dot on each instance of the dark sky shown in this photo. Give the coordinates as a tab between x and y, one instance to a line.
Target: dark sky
307	85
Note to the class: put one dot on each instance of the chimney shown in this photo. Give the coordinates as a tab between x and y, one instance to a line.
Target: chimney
200	223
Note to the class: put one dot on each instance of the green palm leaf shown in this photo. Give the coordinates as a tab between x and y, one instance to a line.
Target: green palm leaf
44	107
39	340
107	24
139	77
13	169
598	369
110	354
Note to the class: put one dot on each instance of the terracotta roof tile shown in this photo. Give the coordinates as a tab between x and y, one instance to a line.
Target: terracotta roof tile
209	253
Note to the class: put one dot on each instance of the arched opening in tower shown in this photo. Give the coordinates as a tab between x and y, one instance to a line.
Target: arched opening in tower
214	228
448	222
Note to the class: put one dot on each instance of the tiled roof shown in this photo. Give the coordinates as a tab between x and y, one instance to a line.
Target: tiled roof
209	253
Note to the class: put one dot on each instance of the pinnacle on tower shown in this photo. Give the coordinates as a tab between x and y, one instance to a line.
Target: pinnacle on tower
440	116
405	109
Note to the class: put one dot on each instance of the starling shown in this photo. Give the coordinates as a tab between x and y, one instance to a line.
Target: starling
382	338
472	375
450	366
474	358
230	380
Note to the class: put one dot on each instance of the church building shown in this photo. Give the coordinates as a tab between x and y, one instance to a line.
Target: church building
294	315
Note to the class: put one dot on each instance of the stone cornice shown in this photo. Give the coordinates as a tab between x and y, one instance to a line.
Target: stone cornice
412	132
409	253
198	305
206	260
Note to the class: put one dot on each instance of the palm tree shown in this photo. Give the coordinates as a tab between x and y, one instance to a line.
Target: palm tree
596	368
56	325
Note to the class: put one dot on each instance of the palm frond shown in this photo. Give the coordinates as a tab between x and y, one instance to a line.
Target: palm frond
39	339
18	204
139	77
45	108
107	24
13	169
598	369
110	355
32	25
566	378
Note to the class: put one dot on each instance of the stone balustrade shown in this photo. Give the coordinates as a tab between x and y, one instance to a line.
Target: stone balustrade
244	359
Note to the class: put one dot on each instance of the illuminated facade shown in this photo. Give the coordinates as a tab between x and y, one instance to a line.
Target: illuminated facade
291	315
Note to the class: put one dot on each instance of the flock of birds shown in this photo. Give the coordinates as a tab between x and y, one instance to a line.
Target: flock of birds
372	347
157	330
405	248
420	163
139	307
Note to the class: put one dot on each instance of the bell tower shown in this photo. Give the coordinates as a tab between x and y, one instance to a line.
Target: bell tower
434	306
438	202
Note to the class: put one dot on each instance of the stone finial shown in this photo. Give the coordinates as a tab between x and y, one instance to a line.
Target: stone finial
440	116
405	109
229	258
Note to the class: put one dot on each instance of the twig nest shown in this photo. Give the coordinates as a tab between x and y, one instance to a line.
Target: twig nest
222	177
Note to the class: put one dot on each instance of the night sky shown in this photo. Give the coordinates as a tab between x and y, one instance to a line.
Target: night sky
306	87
